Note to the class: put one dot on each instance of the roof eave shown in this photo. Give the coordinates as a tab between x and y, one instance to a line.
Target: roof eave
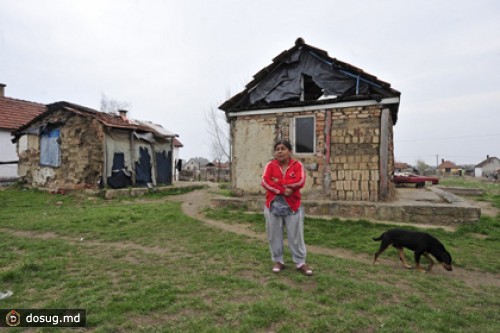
385	101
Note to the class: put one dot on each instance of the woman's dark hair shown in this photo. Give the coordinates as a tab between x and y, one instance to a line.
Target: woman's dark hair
286	143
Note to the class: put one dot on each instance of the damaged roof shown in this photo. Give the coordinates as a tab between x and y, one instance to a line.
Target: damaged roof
15	112
107	119
306	75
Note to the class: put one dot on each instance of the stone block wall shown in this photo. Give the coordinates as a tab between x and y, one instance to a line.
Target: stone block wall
81	146
345	166
355	154
82	156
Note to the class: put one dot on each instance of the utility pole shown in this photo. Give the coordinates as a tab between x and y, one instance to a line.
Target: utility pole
437	164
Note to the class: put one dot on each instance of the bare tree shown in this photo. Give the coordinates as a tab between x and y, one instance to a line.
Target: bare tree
111	105
218	130
421	166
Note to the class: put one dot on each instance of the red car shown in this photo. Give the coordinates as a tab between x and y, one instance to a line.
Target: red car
419	181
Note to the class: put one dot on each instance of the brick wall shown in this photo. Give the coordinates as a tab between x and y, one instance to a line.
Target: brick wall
348	168
355	154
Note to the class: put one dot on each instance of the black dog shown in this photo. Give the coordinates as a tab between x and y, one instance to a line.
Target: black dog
420	242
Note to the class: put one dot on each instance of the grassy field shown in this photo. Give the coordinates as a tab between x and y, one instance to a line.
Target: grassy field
491	190
141	265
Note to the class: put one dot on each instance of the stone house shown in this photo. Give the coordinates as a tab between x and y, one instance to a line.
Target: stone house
73	147
13	113
338	118
487	168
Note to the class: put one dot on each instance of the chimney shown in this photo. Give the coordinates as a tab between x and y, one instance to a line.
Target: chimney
442	160
2	89
487	156
123	114
300	41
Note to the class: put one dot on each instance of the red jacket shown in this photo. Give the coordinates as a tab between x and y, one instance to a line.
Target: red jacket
275	181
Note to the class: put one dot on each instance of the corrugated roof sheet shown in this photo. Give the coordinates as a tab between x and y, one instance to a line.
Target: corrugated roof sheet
15	112
177	143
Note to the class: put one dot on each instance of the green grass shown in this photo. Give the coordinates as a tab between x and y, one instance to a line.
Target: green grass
491	190
473	246
141	265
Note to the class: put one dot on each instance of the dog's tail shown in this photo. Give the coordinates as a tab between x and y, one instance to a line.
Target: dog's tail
377	238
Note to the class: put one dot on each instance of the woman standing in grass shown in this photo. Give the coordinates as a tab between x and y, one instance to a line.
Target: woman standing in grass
283	178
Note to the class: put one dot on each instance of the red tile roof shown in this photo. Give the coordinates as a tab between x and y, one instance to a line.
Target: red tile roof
401	165
107	119
15	112
447	165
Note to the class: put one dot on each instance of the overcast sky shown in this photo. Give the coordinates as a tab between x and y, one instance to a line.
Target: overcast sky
173	61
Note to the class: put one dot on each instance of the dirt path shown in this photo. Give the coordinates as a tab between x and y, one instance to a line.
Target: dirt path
194	202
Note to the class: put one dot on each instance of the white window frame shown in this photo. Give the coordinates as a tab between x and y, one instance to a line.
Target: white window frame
293	137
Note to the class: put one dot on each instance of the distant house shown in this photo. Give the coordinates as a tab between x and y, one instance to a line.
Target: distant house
216	172
487	168
404	168
195	163
447	168
400	166
13	113
73	147
338	118
201	169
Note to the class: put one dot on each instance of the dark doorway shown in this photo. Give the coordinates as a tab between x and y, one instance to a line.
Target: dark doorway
164	167
143	168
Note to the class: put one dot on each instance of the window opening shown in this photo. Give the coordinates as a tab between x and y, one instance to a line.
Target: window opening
310	90
50	147
304	135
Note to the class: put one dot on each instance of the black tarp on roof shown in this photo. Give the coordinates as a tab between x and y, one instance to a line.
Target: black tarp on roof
305	75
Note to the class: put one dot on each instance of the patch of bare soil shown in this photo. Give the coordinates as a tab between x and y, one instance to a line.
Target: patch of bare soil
487	209
194	202
129	246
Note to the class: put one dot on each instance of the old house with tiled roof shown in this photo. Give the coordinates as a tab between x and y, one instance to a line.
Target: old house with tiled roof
73	147
447	168
338	118
404	168
13	114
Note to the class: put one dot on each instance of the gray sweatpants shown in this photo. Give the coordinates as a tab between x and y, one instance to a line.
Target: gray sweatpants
295	231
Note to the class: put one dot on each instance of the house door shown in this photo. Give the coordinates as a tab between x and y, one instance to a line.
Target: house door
143	168
164	167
